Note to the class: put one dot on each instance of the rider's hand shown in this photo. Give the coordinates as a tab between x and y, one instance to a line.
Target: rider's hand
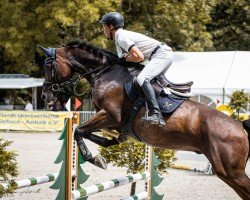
123	59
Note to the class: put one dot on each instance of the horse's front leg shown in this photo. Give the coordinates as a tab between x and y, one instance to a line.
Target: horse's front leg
99	121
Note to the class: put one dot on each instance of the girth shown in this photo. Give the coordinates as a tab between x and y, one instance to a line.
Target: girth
127	127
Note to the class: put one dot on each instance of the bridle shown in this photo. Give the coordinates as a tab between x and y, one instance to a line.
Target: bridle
53	86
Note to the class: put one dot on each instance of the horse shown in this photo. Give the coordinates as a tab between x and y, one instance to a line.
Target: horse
191	127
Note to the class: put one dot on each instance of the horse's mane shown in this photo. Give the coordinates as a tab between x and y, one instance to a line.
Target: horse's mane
110	56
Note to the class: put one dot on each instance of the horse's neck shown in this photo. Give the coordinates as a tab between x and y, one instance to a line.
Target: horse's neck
115	73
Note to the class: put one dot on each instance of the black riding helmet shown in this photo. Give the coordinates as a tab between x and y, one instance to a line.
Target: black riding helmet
113	18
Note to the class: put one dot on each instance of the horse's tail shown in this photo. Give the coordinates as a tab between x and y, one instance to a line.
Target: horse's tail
246	125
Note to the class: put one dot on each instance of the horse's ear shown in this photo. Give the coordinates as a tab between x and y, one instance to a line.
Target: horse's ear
49	52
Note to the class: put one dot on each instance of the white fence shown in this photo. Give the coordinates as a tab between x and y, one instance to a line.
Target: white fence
86	115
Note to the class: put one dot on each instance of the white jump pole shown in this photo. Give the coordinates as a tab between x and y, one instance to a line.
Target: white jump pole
100	187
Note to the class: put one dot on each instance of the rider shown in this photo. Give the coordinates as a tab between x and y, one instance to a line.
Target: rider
135	47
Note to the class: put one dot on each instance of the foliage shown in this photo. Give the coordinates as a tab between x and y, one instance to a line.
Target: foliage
186	25
24	24
230	26
238	100
8	166
181	24
131	154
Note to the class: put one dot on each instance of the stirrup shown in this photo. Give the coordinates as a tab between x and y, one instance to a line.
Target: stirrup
160	120
152	120
149	120
155	119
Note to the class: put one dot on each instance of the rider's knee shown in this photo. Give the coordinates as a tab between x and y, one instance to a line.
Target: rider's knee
140	79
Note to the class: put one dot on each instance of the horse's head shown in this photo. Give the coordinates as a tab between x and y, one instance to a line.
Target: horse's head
57	69
61	63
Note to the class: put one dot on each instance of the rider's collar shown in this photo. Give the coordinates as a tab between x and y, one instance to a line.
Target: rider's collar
117	33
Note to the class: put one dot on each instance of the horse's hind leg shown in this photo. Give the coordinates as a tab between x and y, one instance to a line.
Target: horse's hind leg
240	184
230	167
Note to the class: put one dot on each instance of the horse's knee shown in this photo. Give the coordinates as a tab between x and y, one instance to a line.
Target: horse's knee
76	135
80	133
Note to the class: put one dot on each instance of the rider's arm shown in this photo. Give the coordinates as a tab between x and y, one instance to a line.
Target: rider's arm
135	55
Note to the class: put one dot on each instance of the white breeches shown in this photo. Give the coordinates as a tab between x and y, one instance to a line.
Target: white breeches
159	64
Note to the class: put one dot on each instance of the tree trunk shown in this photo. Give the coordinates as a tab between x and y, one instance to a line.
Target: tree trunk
133	187
80	29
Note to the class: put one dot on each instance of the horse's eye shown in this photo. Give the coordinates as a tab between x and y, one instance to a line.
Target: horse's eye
48	66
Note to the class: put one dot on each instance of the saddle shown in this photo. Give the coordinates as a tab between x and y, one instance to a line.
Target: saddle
168	103
162	84
181	87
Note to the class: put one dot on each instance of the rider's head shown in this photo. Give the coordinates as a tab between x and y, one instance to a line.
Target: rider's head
111	21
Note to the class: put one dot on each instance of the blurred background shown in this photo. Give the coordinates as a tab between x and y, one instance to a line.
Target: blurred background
185	25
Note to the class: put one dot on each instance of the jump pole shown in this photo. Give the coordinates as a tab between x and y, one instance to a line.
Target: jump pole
149	194
31	181
207	170
100	187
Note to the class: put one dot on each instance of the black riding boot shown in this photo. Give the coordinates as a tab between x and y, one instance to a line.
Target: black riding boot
156	116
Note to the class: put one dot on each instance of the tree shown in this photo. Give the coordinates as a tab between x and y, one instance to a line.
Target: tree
131	154
8	166
239	100
181	24
24	24
185	25
230	25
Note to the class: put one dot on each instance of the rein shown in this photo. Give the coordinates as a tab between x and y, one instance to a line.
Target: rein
74	81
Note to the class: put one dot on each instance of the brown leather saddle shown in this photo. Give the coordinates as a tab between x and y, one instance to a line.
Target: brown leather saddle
159	84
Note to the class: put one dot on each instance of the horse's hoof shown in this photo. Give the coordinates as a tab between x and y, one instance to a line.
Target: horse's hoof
99	162
122	138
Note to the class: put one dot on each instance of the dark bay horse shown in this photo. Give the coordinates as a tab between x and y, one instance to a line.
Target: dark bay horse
193	126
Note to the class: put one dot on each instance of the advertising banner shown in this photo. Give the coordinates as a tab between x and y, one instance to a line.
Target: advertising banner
32	120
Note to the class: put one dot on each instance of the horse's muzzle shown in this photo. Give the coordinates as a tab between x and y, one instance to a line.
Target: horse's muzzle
47	96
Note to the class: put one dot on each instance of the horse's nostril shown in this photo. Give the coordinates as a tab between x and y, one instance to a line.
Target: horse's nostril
43	97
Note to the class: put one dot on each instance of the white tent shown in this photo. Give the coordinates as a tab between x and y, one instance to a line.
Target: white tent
215	74
20	83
